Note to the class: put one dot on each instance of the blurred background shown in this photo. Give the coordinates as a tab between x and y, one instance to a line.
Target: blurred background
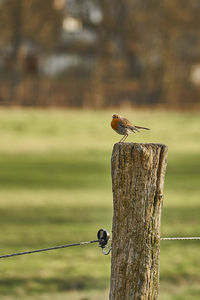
110	52
65	67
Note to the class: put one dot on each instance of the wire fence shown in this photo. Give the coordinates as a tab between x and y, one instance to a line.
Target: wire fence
103	238
180	238
47	249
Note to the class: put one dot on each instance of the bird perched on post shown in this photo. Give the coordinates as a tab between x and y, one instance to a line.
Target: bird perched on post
124	127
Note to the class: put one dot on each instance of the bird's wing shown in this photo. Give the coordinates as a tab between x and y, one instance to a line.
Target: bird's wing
126	123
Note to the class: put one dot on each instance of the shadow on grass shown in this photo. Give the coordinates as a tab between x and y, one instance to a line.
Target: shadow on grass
37	285
54	215
181	215
55	171
60	215
183	172
85	170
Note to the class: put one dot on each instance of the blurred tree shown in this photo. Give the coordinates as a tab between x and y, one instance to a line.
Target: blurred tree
36	20
182	51
149	47
33	21
133	51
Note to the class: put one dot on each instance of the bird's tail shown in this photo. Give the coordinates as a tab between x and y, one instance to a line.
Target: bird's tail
139	127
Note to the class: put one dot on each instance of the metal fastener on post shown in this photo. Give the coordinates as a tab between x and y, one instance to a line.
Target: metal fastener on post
103	237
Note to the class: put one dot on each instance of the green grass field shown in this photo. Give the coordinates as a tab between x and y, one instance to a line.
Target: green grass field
55	188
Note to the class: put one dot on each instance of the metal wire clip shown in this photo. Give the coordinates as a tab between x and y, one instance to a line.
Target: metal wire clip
103	238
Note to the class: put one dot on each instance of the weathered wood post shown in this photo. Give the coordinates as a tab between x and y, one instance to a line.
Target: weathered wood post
138	172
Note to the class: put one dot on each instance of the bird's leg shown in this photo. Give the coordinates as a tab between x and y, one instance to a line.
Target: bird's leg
122	139
125	138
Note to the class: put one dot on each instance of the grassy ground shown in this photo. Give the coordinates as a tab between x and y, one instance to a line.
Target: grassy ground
55	188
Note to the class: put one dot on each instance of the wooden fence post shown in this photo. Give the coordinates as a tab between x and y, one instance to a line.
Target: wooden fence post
138	172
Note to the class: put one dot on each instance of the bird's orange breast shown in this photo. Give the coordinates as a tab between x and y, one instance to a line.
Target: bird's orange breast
114	124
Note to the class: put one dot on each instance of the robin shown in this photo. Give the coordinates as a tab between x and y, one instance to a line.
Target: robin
124	126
